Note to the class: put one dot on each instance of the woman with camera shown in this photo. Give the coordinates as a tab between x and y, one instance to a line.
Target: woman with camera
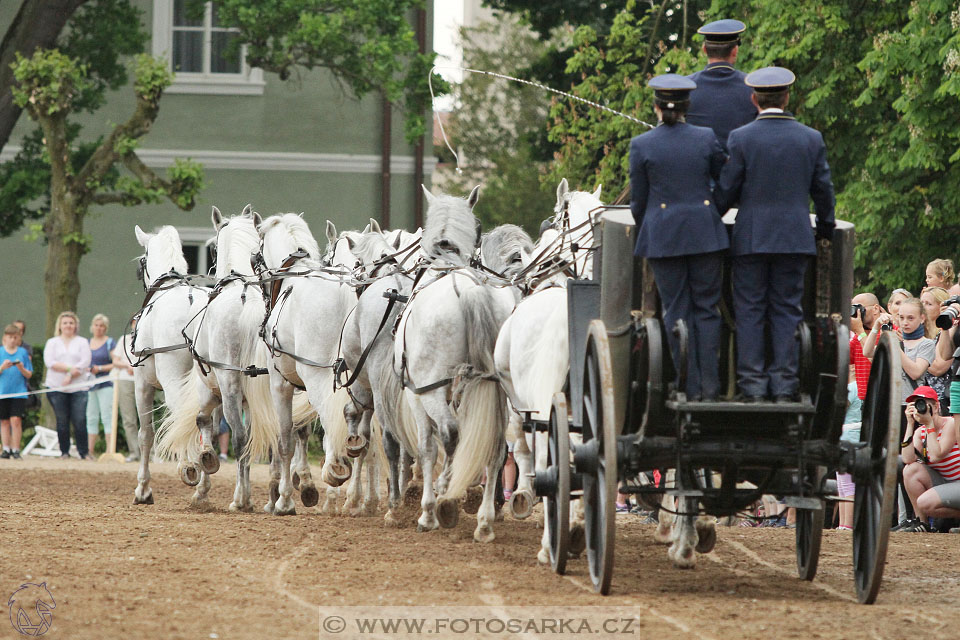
932	458
916	351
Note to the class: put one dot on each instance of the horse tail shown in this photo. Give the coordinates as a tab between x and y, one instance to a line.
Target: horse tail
334	423
264	424
393	409
546	362
178	437
482	410
303	411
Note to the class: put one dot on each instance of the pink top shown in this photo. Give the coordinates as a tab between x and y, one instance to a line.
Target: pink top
76	354
949	467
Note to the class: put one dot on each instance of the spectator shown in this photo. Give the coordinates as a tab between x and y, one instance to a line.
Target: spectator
864	320
23	331
100	397
897	297
127	397
917	351
15	370
932	458
851	433
932	298
509	473
938	376
67	358
223	437
940	274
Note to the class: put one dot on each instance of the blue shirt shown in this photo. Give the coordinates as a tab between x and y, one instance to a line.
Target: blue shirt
11	380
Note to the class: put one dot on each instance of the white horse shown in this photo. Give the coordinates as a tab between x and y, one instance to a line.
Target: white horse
303	334
225	341
532	352
444	353
157	343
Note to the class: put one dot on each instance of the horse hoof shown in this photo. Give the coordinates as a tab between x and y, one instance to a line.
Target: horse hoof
425	526
201	504
189	474
578	540
237	507
210	461
412	494
472	500
521	504
147	499
309	495
296	481
268	508
543	556
356	445
448	512
284	507
706	537
335	473
662	534
685	560
274	492
484	534
370	508
390	520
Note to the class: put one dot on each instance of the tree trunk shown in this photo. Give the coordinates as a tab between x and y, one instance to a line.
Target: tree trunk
38	23
64	230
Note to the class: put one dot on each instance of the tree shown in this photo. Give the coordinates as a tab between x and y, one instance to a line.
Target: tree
495	126
49	86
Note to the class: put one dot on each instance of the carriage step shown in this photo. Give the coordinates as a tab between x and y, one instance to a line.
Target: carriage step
741	407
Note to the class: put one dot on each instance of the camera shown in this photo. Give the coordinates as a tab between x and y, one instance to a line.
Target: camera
948	315
886	326
857	310
921	406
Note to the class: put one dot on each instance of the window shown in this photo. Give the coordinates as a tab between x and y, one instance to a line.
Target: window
198	249
197	48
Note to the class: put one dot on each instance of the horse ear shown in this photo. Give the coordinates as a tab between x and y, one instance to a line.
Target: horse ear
142	237
331	232
473	197
375	226
257	220
429	196
396	243
562	190
247	211
350	243
596	194
366	229
216	217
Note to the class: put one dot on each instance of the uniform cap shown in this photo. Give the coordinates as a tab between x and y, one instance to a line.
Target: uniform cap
928	393
672	87
722	31
770	79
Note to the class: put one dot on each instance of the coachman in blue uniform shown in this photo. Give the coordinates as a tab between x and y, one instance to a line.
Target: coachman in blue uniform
776	166
722	101
681	233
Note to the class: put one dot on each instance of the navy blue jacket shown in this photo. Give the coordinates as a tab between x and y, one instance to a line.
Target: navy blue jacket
776	166
721	100
670	172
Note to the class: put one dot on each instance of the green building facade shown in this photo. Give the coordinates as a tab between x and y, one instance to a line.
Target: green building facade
299	145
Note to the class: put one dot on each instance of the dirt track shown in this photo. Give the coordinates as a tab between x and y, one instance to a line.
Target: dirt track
166	571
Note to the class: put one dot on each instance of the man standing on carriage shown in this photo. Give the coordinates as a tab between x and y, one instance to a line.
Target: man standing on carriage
722	101
776	166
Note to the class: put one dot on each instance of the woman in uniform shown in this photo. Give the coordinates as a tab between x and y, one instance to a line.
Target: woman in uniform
672	170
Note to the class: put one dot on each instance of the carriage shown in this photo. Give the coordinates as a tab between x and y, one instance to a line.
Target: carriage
631	418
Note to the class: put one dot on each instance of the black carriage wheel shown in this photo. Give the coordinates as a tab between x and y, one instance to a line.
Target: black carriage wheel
646	374
875	473
600	486
558	506
810	530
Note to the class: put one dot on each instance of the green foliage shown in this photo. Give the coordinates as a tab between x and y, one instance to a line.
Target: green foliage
366	44
47	82
546	15
186	180
152	77
23	186
496	124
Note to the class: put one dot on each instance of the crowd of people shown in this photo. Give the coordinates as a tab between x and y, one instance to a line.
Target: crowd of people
929	495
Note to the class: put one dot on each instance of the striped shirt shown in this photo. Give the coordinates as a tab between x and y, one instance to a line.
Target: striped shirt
861	364
949	467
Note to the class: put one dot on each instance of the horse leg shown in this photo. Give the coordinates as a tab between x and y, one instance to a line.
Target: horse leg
353	414
302	476
435	404
282	393
522	500
371	494
487	512
685	536
240	435
664	532
392	450
331	503
143	494
274	486
208	403
428	457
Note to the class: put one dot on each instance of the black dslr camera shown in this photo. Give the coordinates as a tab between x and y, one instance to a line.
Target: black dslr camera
857	310
948	315
920	404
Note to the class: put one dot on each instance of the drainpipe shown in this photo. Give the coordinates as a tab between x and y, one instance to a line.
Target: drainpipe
418	150
385	153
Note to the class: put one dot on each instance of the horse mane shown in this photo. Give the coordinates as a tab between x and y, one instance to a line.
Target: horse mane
241	240
298	230
370	246
168	252
504	247
450	224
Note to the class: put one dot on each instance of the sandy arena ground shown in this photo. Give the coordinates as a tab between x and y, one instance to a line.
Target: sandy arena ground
165	571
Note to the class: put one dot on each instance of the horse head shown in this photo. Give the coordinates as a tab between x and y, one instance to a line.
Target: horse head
236	240
574	216
451	231
284	234
163	253
507	249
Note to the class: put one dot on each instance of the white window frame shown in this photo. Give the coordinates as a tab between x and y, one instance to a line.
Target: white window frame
200	237
249	82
